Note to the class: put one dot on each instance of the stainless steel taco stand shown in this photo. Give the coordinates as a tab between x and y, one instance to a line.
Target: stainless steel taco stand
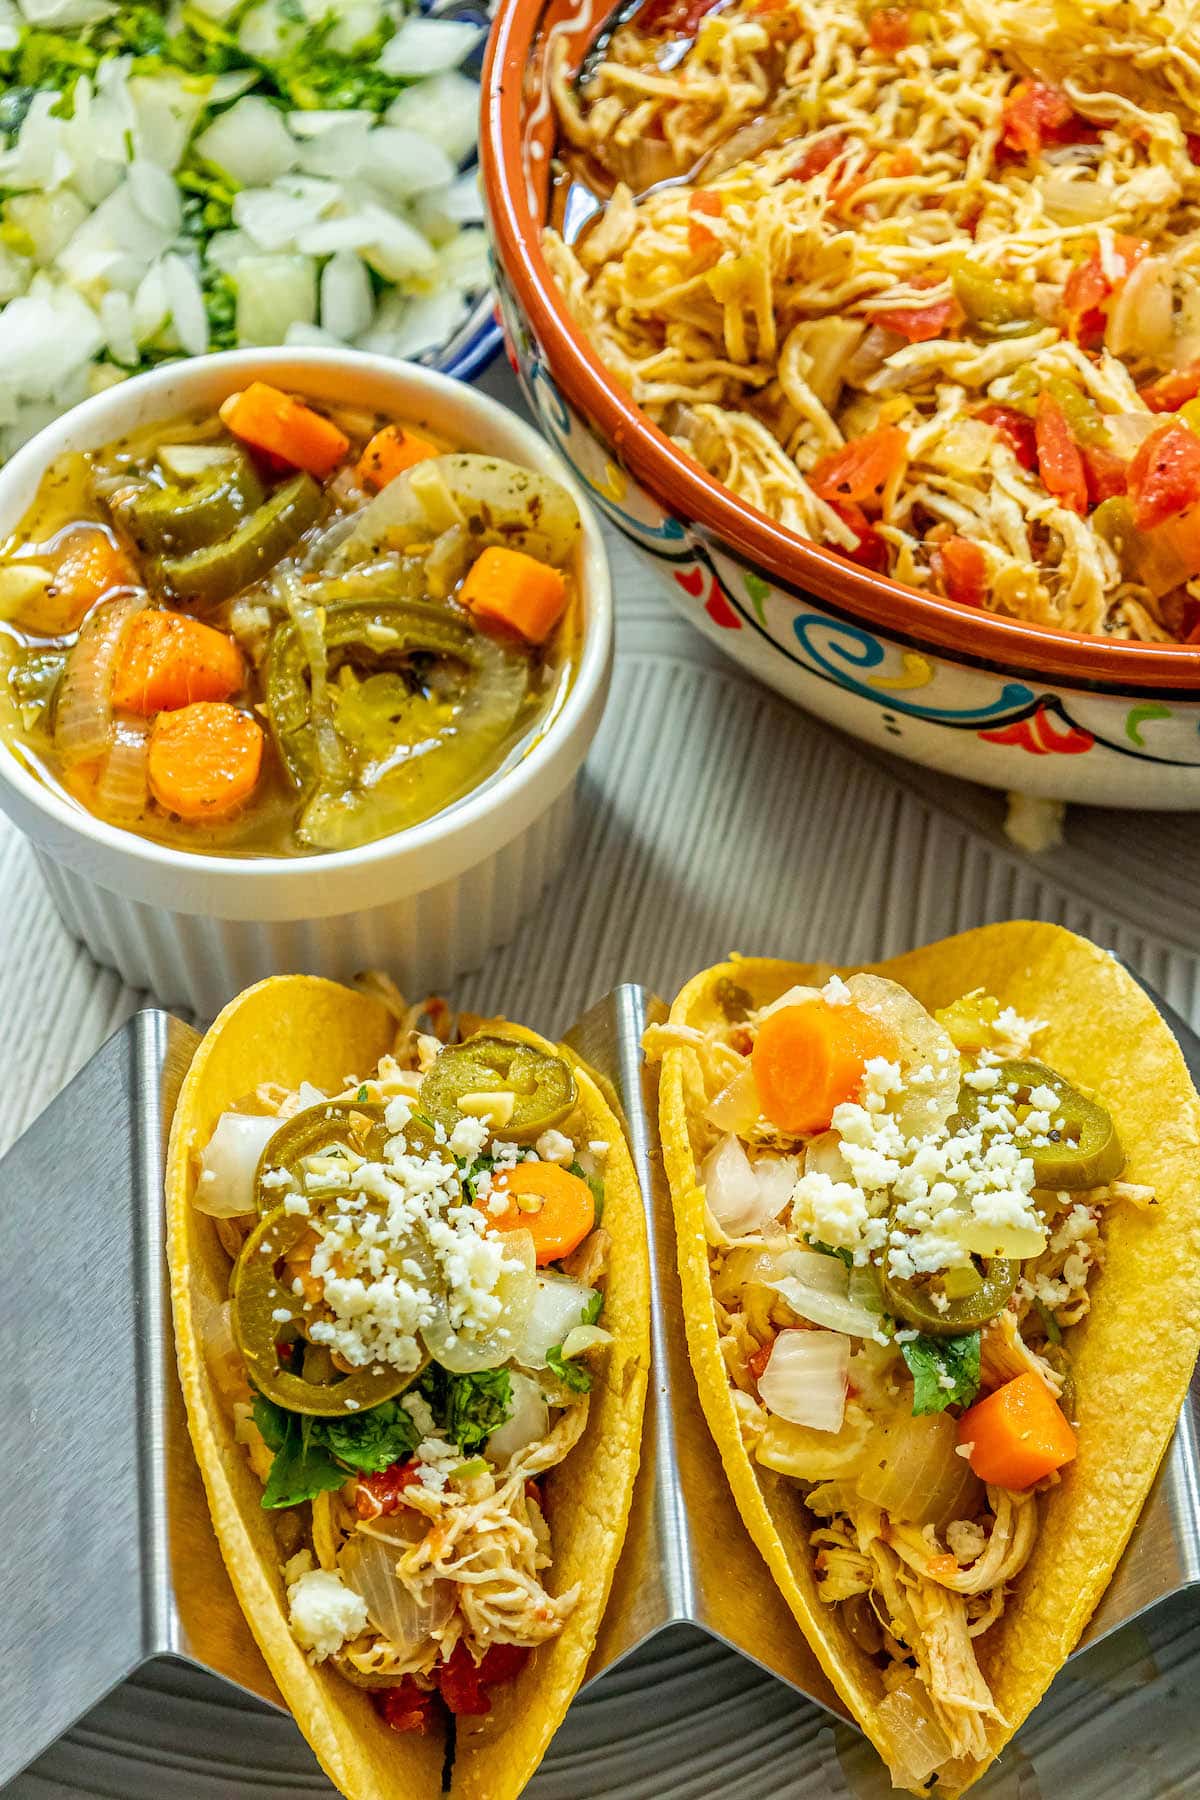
109	1558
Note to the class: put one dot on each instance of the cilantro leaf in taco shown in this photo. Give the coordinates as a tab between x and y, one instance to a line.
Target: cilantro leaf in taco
937	1226
414	1363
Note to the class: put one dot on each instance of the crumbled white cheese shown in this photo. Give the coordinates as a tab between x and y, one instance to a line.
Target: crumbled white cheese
397	1113
324	1613
275	1178
281	1315
554	1147
468	1138
296	1203
420	1412
435	1461
983	1080
836	993
599	1148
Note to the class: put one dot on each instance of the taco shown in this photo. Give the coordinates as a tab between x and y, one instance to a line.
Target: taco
938	1226
410	1292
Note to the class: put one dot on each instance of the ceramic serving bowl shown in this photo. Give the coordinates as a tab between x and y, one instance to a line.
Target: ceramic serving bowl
426	903
1014	705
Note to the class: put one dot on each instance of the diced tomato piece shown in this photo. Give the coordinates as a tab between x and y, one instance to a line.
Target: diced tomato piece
1089	288
861	470
920	323
758	1359
871	551
1172	391
704	200
1059	463
502	1663
888	30
701	241
897	162
463	1684
1105	473
1017	430
1036	115
459	1683
378	1494
405	1707
962	567
675	18
1164	476
817	156
1193	146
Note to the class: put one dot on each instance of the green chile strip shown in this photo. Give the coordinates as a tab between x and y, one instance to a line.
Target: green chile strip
175	520
544	1085
317	1130
913	1302
258	1296
218	571
375	637
1087	1153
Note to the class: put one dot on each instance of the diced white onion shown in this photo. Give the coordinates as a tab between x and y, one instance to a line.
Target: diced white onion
83	720
557	1307
221	1354
251	142
823	1156
1141	318
526	1424
913	1471
21	582
404	163
427	46
229	1163
917	1745
368	1565
585	1338
123	790
836	1312
927	1053
185	298
443	110
806	1377
347	303
516	1291
274	293
736	1106
742	1196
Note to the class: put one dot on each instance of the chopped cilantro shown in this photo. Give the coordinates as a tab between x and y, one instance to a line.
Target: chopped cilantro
596	1185
467	1408
220	303
930	1359
302	1467
573	1375
593	1309
312	1455
362	1092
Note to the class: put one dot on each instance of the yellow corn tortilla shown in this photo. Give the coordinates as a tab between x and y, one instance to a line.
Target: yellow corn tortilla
298	1028
1133	1353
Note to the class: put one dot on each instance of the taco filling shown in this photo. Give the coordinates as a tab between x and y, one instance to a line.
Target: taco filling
904	1210
416	1305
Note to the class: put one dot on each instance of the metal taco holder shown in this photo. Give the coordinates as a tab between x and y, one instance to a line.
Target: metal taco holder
110	1554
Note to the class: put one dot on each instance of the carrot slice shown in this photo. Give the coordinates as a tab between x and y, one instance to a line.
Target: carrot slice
169	660
282	426
506	587
1018	1435
808	1059
89	567
390	452
559	1209
204	760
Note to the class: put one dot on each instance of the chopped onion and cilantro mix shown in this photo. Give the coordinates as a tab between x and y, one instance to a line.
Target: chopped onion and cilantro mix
904	1213
199	177
408	1347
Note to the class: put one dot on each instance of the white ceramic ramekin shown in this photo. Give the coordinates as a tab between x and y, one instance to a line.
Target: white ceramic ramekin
426	904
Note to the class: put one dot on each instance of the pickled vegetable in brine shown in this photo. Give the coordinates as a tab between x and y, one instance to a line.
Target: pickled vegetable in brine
286	628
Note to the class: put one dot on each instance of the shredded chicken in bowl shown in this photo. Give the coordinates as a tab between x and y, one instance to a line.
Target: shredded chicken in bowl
924	286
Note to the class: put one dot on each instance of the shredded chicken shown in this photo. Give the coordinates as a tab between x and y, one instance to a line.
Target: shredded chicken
829	219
